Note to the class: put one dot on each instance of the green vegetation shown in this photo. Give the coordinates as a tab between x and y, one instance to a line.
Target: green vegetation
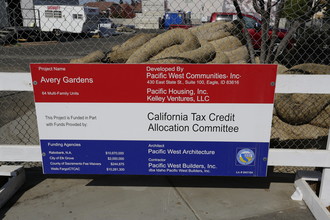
297	9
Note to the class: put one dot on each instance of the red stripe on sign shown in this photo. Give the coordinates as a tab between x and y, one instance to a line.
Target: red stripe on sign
154	83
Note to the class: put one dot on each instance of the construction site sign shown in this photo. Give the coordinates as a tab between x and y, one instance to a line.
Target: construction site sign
154	119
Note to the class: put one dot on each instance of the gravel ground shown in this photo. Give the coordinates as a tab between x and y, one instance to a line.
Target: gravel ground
16	58
24	164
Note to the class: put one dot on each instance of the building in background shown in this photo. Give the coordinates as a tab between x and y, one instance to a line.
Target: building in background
125	11
201	10
115	10
151	11
104	7
16	13
21	13
56	2
142	14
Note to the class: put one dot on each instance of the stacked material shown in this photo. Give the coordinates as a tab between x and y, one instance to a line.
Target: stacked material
302	116
296	116
208	43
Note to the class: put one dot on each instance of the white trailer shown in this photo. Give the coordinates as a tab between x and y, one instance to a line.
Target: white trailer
67	19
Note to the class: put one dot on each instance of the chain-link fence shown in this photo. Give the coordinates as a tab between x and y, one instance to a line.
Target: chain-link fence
292	33
18	119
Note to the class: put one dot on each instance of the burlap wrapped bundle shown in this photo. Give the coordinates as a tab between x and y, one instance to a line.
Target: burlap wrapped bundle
121	53
167	44
284	131
299	116
226	43
94	57
202	54
212	31
296	116
238	55
297	109
208	43
223	45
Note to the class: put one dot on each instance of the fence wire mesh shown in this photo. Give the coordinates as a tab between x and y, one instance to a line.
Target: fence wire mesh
292	33
18	119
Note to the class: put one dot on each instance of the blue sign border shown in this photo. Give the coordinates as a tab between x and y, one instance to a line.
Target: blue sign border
153	157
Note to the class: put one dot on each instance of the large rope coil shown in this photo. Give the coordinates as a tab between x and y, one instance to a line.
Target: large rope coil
296	116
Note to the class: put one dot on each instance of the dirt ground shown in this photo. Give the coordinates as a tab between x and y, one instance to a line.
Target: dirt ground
17	57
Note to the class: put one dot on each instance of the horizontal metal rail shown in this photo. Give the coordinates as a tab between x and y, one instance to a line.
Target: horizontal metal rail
313	84
308	84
